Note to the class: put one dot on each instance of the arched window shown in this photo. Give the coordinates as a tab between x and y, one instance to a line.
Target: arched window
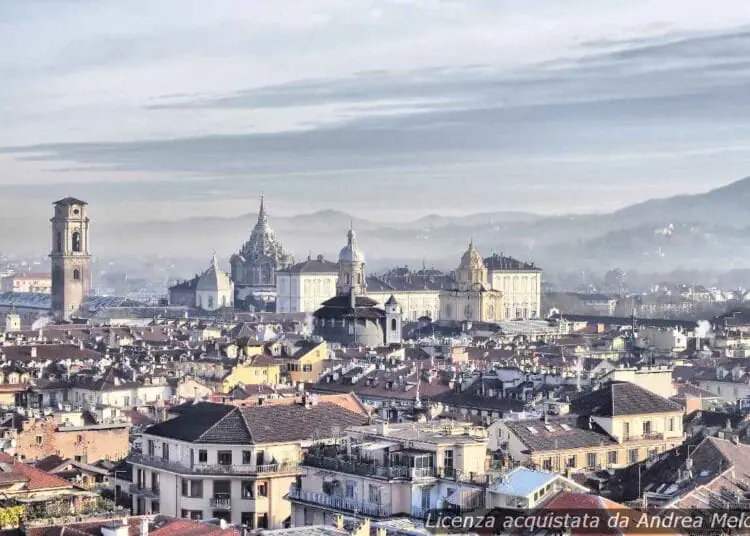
393	324
266	274
76	241
59	242
210	302
77	274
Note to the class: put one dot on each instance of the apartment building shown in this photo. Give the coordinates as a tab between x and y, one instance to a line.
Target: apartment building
385	470
615	426
232	463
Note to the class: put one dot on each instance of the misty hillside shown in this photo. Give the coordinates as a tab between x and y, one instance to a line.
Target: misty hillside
710	230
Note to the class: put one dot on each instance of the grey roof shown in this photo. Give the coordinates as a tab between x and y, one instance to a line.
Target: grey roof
540	436
313	266
40	301
219	423
622	398
70	201
395	281
497	263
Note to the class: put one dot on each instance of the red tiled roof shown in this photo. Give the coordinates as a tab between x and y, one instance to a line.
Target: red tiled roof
38	479
186	527
53	352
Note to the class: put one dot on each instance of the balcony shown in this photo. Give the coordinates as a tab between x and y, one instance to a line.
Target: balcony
144	491
340	503
650	436
357	467
220	502
206	469
456	475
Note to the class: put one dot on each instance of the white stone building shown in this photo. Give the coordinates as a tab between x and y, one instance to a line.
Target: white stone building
520	283
303	287
214	288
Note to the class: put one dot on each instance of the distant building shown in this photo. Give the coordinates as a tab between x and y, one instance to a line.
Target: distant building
254	267
351	318
70	258
302	287
28	282
472	298
209	291
521	285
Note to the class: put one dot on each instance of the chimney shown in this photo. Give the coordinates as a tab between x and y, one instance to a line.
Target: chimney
338	521
144	526
33	351
382	428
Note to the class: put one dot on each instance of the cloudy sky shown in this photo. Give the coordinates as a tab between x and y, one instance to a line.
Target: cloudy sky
384	108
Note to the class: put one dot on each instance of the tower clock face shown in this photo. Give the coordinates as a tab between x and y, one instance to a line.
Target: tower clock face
468	312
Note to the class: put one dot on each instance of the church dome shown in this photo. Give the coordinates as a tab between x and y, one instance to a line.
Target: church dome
214	279
350	252
471	260
262	241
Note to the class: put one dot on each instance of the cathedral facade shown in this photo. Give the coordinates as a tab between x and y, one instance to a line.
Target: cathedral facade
471	298
255	265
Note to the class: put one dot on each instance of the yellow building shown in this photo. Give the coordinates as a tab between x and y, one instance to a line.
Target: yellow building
302	360
472	299
259	370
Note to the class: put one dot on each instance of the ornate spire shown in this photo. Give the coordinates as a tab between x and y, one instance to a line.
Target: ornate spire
262	216
214	262
351	236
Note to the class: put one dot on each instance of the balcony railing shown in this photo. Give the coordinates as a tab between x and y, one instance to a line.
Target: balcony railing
456	475
152	491
340	503
650	436
357	467
221	502
206	469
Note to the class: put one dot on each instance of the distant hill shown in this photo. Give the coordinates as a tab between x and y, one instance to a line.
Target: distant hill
709	230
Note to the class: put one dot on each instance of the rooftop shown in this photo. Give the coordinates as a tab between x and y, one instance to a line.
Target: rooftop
522	482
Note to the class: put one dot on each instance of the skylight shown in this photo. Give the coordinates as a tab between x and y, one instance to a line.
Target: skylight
533	430
565	427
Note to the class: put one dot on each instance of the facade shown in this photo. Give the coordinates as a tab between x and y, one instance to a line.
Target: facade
351	318
214	289
471	299
254	267
386	470
29	282
520	283
612	427
302	287
417	292
70	258
220	461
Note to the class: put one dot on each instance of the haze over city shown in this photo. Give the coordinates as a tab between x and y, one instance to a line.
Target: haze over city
376	108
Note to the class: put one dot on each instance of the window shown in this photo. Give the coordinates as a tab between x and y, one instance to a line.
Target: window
165	451
547	464
262	521
155	507
76	240
59	241
448	458
350	488
210	302
192	489
191	514
591	459
571	462
247	457
375	493
612	457
633	455
247	519
393	324
202	456
262	489
151	447
670	424
646	427
222	489
626	430
224	457
306	368
155	482
247	489
40	440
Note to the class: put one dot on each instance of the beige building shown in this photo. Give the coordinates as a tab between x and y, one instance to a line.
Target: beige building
214	289
29	282
472	299
520	283
386	470
232	463
615	426
304	286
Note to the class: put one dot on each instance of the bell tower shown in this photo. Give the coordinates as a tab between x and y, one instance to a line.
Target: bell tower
70	258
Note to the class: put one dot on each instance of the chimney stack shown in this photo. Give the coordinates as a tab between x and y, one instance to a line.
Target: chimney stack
144	526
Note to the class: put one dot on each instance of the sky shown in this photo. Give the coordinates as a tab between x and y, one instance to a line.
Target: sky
387	109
